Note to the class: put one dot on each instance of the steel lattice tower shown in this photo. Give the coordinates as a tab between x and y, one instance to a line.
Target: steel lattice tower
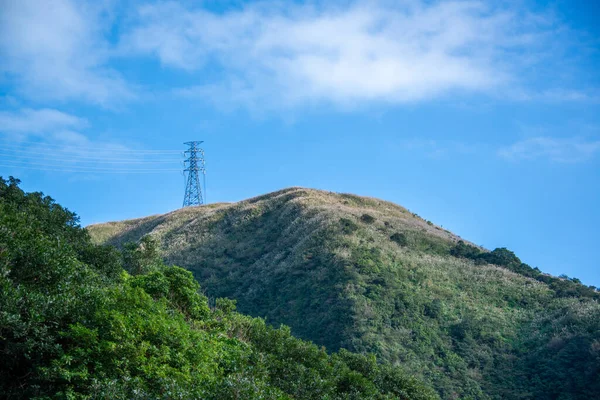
194	165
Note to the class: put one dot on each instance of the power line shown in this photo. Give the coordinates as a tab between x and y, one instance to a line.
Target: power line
90	167
106	160
147	153
95	170
76	159
91	147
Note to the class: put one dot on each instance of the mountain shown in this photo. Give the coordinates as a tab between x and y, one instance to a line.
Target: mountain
84	321
357	273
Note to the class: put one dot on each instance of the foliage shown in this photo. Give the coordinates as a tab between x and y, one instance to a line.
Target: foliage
75	325
399	238
348	226
464	250
367	218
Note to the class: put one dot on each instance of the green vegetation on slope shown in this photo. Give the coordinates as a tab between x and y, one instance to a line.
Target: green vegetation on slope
81	321
366	275
562	286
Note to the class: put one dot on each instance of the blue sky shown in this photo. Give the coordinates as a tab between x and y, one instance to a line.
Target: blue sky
483	117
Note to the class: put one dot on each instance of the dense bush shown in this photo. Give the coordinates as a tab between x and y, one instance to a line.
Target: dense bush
399	238
367	218
348	226
464	250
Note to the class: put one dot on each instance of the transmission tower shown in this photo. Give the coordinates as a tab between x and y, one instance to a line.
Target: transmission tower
194	165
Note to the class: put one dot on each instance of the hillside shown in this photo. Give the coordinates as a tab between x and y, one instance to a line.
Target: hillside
369	276
82	321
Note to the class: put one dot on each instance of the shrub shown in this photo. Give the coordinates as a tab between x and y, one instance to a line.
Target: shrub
399	238
464	250
368	219
501	256
348	226
434	309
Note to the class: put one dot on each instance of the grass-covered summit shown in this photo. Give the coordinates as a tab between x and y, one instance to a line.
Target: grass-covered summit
366	275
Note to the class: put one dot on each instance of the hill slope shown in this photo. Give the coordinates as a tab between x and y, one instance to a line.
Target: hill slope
82	321
367	275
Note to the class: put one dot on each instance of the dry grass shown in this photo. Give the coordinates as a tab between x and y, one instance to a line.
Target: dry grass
389	217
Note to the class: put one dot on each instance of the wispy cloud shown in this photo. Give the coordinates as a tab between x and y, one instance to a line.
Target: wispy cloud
395	52
51	130
57	50
29	121
564	150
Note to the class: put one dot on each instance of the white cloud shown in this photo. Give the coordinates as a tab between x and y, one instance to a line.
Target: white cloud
565	150
29	121
276	54
49	133
285	54
56	50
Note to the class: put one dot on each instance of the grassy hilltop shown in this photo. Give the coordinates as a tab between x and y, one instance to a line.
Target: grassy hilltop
369	276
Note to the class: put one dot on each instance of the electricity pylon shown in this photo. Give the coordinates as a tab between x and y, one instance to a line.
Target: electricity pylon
194	165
